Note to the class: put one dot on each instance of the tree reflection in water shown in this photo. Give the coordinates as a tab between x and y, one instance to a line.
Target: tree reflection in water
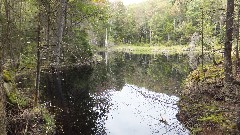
105	99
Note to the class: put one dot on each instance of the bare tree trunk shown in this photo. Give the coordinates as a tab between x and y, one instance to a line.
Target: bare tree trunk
8	30
228	43
106	38
237	46
58	42
5	40
59	30
45	19
38	64
150	35
48	33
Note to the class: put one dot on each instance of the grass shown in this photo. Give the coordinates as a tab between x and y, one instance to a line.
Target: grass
149	49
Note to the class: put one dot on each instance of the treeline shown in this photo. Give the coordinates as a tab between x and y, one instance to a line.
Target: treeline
58	29
168	22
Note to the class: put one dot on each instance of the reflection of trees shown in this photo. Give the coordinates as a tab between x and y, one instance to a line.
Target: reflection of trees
76	113
118	71
109	75
159	73
152	72
168	72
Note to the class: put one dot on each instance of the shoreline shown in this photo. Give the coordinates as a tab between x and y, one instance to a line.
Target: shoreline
206	105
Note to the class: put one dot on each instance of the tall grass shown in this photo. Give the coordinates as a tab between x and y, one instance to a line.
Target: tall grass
147	49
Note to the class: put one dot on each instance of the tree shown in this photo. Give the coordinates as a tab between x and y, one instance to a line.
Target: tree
228	43
118	24
60	29
2	96
237	40
2	93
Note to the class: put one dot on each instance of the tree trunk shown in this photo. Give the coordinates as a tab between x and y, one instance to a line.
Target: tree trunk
150	35
59	31
2	107
2	96
8	31
237	46
48	10
38	64
106	38
228	43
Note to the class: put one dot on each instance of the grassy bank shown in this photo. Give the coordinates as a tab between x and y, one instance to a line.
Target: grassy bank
158	49
147	49
206	106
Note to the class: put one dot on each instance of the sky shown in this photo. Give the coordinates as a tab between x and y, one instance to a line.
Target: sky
127	2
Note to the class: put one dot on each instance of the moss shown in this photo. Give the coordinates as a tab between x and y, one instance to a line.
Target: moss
49	122
7	76
211	107
210	74
208	71
17	98
214	118
195	131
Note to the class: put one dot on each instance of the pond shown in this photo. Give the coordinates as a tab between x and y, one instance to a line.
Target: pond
124	94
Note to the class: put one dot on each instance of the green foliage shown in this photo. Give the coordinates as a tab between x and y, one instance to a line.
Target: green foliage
79	50
50	123
28	57
18	99
28	24
164	21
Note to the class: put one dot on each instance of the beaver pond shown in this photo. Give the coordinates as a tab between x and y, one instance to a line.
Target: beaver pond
121	94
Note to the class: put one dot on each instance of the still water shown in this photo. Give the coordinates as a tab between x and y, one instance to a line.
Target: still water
138	111
123	94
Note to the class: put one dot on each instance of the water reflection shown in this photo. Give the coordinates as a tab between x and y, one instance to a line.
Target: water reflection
74	107
118	96
138	111
159	73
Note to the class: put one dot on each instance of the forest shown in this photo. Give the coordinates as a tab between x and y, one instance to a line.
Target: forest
54	54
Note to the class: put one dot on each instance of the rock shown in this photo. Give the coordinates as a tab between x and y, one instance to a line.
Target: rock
8	87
